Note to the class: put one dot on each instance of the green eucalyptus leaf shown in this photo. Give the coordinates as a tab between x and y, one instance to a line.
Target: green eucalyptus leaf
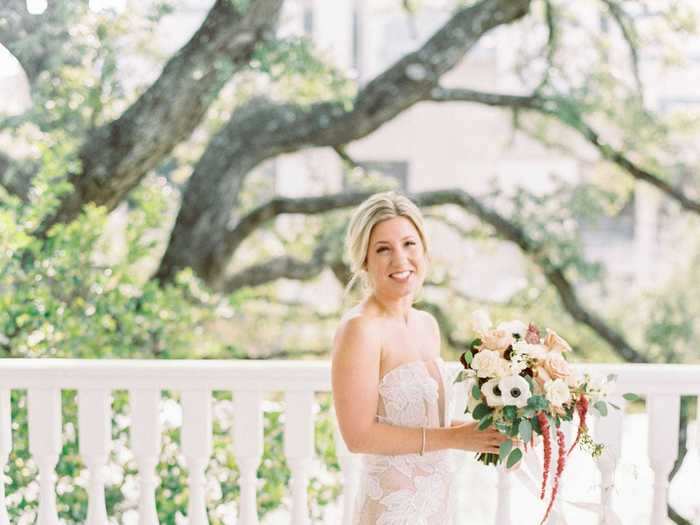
481	410
476	391
485	422
601	407
504	449
515	456
525	430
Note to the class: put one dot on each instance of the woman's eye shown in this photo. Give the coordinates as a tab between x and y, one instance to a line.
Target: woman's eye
410	242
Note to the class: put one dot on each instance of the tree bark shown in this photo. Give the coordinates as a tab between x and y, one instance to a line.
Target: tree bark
263	130
117	156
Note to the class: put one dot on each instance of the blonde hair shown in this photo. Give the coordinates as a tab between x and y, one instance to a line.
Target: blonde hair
373	210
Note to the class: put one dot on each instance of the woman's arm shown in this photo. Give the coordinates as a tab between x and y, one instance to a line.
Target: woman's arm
355	380
354	374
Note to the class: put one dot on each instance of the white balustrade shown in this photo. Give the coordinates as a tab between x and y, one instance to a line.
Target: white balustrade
608	431
94	426
664	415
95	380
5	448
44	408
196	447
145	442
248	449
350	466
299	449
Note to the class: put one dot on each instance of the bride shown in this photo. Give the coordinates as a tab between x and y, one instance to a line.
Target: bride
390	390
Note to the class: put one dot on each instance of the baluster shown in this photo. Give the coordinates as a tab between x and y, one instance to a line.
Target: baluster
299	449
145	443
5	448
196	447
248	449
94	427
664	415
350	467
503	491
696	520
608	431
44	407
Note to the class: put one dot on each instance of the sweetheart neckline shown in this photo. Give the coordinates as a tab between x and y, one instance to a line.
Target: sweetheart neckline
414	362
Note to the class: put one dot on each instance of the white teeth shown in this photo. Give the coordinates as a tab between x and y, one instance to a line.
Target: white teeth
401	275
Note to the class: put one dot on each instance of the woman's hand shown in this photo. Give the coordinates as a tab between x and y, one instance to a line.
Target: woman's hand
468	437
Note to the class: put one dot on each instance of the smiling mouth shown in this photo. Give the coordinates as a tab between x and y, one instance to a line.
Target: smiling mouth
401	276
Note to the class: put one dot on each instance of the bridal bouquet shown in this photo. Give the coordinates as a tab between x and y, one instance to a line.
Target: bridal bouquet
522	385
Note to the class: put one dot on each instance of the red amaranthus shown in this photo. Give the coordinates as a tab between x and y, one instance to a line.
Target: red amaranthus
582	409
561	462
547	443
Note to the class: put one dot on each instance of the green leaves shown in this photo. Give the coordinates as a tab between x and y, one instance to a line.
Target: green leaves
601	407
538	402
476	391
629	396
485	422
504	449
525	430
468	357
515	456
481	410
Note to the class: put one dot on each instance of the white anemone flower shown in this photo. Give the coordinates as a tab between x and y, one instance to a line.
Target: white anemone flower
513	327
492	393
515	390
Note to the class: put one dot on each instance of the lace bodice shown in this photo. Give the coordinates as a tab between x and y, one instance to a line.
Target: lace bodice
409	489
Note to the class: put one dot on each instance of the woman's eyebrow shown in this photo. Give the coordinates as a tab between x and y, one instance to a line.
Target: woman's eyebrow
387	242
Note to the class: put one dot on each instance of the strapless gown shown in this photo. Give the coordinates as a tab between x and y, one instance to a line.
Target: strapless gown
410	489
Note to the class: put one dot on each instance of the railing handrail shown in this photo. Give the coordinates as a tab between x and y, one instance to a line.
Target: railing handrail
276	374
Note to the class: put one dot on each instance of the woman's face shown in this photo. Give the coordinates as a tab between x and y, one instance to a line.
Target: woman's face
396	261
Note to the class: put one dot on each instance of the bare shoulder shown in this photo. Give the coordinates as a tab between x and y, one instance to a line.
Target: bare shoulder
356	331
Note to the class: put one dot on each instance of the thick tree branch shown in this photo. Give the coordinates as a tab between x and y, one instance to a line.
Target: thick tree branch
262	130
504	228
15	176
117	156
278	268
38	42
568	115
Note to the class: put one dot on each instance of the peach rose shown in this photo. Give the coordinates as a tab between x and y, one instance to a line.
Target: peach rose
555	342
541	377
497	340
556	366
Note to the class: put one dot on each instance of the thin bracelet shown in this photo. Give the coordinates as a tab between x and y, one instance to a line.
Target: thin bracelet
422	446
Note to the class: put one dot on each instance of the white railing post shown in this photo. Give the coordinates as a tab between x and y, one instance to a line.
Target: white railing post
608	431
196	447
145	443
5	448
44	408
349	465
248	449
94	427
664	416
299	449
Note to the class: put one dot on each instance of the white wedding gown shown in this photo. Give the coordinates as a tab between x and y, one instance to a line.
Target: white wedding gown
410	489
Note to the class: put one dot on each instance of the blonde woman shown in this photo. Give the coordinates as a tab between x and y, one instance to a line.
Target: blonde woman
390	389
